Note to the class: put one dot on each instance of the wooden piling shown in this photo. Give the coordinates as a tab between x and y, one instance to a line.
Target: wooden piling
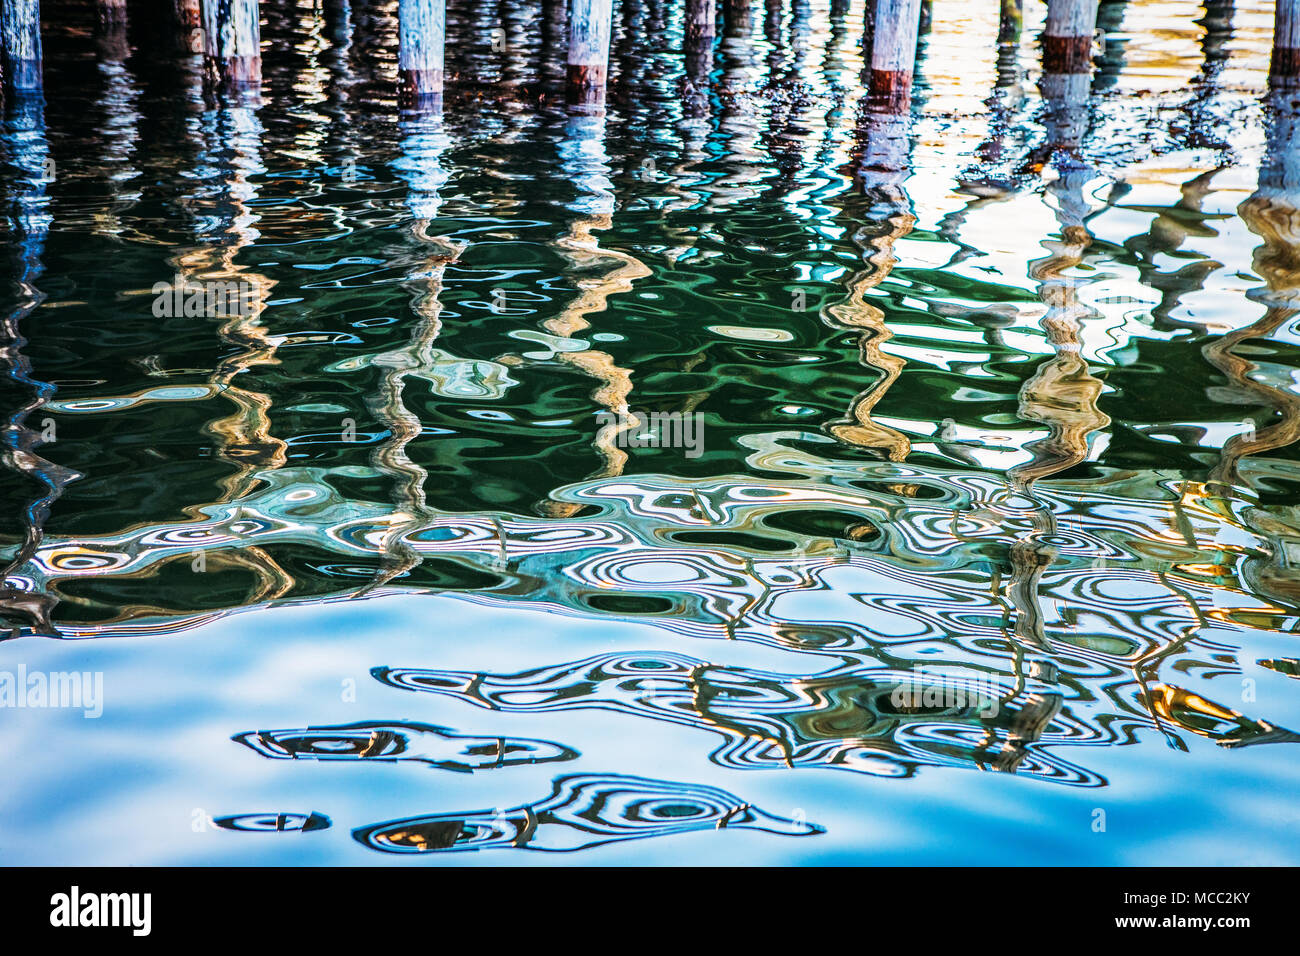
1067	38
1067	68
20	22
868	36
737	18
188	15
700	29
1010	19
422	37
232	44
111	13
893	53
590	22
1284	69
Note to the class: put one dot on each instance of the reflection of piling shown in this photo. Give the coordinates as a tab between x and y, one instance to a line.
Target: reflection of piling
1284	69
232	44
893	53
882	170
737	18
700	35
858	313
422	33
28	150
20	22
1062	393
1010	19
244	439
590	23
583	156
1273	214
423	143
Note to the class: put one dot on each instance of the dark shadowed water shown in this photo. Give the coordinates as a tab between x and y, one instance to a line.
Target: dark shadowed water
735	476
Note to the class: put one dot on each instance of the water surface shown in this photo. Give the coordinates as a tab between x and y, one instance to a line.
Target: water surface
986	552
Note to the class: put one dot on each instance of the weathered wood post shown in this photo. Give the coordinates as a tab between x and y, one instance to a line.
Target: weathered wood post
189	25
422	35
868	38
232	44
111	12
737	18
590	22
1284	70
893	54
1067	38
20	22
700	29
1010	20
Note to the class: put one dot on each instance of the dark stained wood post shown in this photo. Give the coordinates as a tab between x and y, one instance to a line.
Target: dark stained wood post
590	23
423	30
868	39
232	44
189	24
737	18
20	22
111	12
893	54
1284	71
701	30
1011	18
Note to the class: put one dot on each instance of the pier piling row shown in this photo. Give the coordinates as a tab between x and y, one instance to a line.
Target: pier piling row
226	32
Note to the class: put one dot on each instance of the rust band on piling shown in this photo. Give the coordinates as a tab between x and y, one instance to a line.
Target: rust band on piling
890	90
586	81
1067	54
699	34
419	91
235	73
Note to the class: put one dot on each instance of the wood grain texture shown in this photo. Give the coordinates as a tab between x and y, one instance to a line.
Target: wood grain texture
589	29
1284	68
701	17
737	18
232	42
893	44
894	28
189	25
421	42
20	25
1071	18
